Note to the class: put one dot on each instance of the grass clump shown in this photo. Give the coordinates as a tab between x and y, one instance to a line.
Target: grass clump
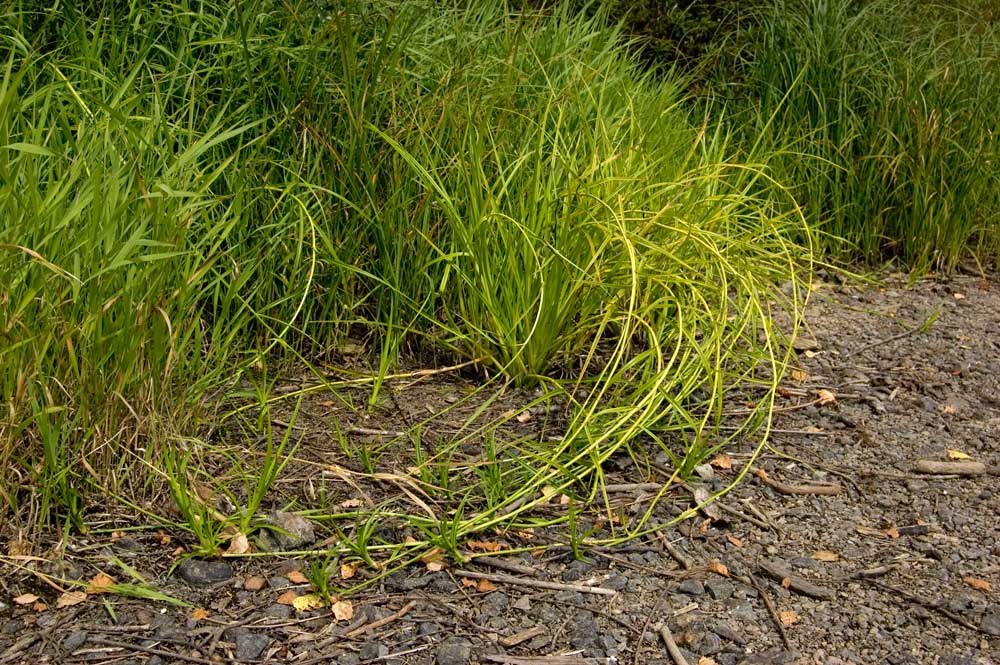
885	115
198	194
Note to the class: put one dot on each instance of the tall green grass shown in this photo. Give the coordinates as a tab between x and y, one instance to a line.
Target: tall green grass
886	114
192	189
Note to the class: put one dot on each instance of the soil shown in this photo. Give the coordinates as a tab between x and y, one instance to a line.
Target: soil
897	566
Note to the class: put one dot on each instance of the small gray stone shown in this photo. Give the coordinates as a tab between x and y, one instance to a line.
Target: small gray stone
691	587
705	472
203	573
710	645
725	630
373	650
277	611
454	652
75	640
288	531
991	623
720	589
279	582
249	646
616	582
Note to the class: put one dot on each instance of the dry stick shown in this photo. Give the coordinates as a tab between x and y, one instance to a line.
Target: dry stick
633	487
539	584
958	468
828	489
678	556
770	610
749	518
523	636
645	626
378	623
672	649
503	564
931	605
151	650
795	583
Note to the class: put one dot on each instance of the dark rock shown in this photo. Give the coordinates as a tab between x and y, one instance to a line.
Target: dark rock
711	644
204	573
691	587
584	632
75	640
277	611
577	570
725	630
286	531
126	544
427	628
279	582
454	652
249	646
616	582
990	623
720	589
373	650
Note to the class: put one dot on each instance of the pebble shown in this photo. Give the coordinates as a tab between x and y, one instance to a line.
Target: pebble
616	582
720	589
991	623
75	640
277	611
249	646
454	652
295	532
691	587
373	650
203	573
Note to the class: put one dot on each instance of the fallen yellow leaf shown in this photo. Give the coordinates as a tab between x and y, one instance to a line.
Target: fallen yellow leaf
39	607
296	577
26	599
705	660
348	570
287	598
485	586
825	397
484	546
799	375
976	583
343	610
788	617
199	614
350	503
957	454
825	555
71	598
100	583
310	601
718	568
736	542
722	462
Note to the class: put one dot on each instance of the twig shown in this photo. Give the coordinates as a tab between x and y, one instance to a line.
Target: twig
523	636
544	660
374	432
675	653
766	597
151	650
633	487
503	564
539	584
957	468
678	556
795	583
378	623
645	626
827	489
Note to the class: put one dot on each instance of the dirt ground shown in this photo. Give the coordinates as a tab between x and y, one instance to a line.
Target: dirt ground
835	549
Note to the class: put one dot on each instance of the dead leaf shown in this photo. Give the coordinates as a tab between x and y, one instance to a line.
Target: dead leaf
705	660
117	535
199	614
39	607
351	503
976	583
786	582
825	555
957	454
239	544
722	462
435	566
467	582
71	598
287	598
788	617
958	296
433	555
100	583
163	538
523	417
485	586
296	577
255	583
348	570
343	610
718	568
799	375
810	354
705	525
484	546
26	599
310	601
825	397
949	410
736	542
892	532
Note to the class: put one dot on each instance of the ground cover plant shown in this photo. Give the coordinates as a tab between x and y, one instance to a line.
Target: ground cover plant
198	197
